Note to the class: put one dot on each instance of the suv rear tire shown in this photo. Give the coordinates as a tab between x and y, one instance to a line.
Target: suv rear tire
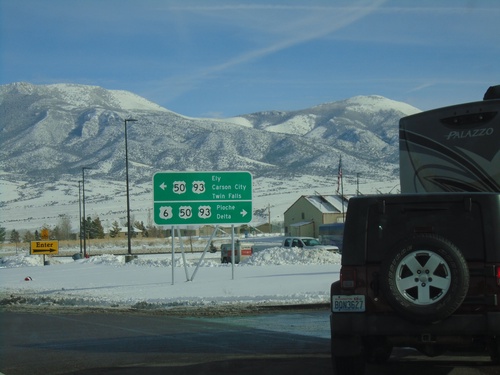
425	278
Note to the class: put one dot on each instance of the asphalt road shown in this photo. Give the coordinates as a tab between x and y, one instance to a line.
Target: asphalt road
128	343
150	343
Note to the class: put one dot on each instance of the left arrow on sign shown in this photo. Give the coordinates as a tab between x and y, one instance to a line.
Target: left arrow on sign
163	186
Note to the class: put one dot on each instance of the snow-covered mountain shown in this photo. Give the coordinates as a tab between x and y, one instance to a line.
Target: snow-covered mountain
48	133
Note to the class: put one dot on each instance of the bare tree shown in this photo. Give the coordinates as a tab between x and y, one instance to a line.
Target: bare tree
64	226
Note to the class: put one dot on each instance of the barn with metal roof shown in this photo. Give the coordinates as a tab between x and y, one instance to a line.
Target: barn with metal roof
307	213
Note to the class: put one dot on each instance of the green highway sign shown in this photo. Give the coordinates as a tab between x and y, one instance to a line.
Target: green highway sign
188	213
186	198
202	186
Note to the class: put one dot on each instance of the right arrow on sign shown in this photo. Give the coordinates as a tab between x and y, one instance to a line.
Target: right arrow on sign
49	249
243	212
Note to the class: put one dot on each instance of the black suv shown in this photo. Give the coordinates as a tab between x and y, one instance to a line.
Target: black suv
419	271
422	269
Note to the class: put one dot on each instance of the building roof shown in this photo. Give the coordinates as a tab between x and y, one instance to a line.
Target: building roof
301	223
326	203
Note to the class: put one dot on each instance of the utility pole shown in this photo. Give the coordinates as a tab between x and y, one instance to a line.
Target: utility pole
129	224
80	213
84	217
269	217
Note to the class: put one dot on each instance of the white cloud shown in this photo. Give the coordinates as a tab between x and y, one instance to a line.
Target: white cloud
278	27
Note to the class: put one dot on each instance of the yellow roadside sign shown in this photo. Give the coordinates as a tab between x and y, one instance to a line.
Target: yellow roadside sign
44	247
45	234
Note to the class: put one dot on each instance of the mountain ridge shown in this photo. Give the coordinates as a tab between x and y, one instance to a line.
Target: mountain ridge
49	132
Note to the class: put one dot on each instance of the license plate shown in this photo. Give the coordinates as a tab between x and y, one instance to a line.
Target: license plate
355	303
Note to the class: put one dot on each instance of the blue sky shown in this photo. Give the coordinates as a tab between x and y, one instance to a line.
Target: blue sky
221	58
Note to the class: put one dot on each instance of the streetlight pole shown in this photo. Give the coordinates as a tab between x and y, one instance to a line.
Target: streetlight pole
357	183
80	213
84	217
129	244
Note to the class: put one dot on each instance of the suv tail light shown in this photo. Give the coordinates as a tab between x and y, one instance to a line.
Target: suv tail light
497	274
348	278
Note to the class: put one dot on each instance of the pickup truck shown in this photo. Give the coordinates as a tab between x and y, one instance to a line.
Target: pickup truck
309	243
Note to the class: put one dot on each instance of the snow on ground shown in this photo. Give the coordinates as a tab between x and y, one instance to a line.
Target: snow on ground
275	276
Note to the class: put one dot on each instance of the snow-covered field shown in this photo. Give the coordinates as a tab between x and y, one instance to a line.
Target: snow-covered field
275	276
28	206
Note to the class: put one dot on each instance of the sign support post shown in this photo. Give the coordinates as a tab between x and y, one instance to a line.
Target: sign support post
183	254
173	252
204	252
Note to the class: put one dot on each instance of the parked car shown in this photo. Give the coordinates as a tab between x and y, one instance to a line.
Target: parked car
332	234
